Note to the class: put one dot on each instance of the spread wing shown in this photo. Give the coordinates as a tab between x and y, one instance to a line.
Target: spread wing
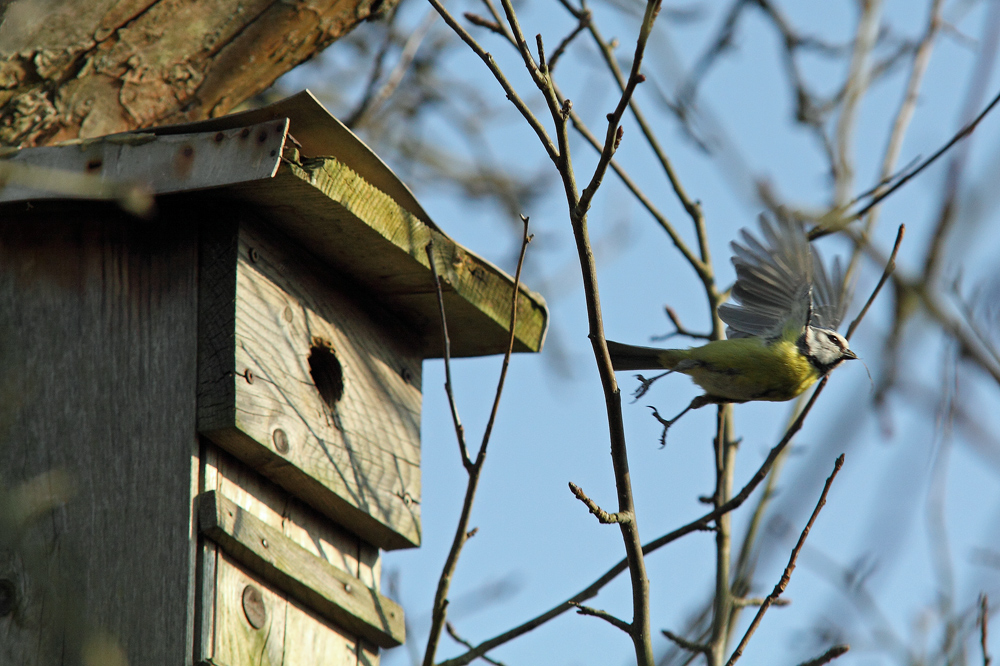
829	294
781	283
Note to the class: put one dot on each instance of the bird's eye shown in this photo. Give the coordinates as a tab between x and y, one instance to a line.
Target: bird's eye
832	338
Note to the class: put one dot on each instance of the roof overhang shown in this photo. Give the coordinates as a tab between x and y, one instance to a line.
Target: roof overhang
312	178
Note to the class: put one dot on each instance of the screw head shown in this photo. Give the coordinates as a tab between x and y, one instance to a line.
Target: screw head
254	255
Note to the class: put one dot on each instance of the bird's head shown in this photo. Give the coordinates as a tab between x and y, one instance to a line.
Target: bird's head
824	348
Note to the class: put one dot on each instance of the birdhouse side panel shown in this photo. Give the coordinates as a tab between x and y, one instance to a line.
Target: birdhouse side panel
325	390
97	402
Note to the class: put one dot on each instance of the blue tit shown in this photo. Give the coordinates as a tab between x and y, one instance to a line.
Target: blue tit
781	332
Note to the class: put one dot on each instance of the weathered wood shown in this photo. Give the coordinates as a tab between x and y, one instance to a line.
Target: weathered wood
366	234
358	460
102	168
235	641
283	511
85	68
97	381
334	197
263	549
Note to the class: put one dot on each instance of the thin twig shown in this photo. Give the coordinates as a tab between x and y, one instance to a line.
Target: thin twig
606	616
819	232
679	328
498	74
568	39
786	575
374	100
984	623
690	646
446	355
858	80
602	516
828	656
701	524
890	266
757	601
450	628
462	532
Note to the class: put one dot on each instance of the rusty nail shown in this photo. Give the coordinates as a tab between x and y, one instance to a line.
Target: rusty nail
8	597
245	133
94	165
253	606
254	255
262	137
280	440
219	137
248	375
187	151
288	314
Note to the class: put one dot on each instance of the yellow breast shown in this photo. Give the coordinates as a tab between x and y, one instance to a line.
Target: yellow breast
745	369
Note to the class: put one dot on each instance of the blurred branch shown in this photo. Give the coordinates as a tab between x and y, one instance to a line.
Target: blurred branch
458	639
375	97
690	646
858	79
984	622
787	573
828	656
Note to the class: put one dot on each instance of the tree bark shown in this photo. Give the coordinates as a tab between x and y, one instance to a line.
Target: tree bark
84	68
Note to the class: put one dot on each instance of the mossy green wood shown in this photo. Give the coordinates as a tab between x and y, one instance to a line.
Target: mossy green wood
366	235
264	550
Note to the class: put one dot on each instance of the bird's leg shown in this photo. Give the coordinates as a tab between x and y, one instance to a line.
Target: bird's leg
645	384
700	401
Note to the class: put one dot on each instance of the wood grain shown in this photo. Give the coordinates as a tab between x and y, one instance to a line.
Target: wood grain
337	596
356	461
364	233
97	375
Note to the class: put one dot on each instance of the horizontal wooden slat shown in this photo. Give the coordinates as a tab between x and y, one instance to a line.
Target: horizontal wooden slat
333	594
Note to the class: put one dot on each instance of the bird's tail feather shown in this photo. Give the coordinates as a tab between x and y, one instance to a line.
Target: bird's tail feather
633	357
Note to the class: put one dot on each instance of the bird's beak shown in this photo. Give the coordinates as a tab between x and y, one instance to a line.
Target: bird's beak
849	355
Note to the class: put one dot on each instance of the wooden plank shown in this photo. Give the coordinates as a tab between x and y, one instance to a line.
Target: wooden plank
291	635
312	640
365	234
283	511
356	461
337	596
102	168
236	641
334	196
97	381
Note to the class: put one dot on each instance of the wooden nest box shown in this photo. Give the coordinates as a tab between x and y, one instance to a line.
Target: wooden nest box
212	414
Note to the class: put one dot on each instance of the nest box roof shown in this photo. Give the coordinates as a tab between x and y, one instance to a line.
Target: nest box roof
311	177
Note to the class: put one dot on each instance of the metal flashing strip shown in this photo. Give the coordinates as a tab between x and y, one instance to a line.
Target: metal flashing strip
101	168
